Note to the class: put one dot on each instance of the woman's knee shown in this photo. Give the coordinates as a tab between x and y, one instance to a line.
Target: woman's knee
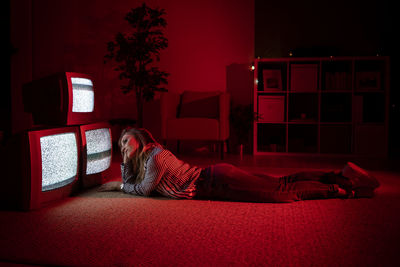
224	169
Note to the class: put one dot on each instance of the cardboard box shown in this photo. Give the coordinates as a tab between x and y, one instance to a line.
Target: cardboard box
271	108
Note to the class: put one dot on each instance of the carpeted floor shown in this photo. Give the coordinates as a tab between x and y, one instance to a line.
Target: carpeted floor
115	229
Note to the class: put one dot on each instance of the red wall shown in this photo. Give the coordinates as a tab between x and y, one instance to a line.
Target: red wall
205	37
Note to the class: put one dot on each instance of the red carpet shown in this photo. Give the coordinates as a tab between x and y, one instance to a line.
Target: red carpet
113	229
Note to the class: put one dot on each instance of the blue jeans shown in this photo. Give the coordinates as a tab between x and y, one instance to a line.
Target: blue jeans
227	182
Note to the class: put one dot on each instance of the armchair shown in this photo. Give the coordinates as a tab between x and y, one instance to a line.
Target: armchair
195	116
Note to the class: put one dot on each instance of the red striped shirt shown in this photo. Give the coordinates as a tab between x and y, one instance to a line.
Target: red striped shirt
165	174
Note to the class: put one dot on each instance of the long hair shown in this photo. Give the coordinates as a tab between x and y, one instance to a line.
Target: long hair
146	144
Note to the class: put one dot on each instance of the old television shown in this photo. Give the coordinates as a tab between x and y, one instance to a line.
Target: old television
66	98
42	166
96	153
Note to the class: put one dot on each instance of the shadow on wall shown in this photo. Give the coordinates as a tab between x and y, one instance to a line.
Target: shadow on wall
239	83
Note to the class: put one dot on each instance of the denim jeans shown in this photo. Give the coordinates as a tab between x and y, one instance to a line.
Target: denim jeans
227	182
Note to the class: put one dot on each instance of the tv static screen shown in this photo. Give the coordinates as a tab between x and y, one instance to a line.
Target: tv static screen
99	146
82	95
59	154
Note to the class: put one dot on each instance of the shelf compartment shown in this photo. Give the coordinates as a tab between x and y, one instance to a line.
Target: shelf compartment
369	108
303	138
303	107
271	108
272	76
304	77
336	139
271	137
336	76
369	75
336	107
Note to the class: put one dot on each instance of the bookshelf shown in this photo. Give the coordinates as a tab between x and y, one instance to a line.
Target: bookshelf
333	105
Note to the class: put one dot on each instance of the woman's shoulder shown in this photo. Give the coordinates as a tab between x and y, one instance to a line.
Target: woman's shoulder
158	157
160	154
155	152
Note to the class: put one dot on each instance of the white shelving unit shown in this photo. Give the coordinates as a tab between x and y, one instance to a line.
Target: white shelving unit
334	105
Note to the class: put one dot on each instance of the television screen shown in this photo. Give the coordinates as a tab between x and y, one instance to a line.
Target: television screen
66	98
82	95
98	150
44	164
96	153
59	160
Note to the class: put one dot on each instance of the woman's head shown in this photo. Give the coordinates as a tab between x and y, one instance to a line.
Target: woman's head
135	145
135	140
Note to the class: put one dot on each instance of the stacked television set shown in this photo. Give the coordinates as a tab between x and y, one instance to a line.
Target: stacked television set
66	150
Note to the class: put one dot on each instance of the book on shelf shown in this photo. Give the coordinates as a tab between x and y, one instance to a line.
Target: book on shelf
337	81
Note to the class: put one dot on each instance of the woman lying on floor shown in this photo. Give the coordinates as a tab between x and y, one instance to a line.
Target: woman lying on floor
148	168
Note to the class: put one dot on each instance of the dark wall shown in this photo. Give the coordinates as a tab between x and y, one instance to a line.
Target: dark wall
71	35
5	90
338	28
323	28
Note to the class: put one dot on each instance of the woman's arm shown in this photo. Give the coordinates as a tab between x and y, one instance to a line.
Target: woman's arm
153	174
110	186
126	174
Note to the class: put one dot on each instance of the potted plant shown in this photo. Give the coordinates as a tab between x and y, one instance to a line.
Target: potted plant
135	52
241	119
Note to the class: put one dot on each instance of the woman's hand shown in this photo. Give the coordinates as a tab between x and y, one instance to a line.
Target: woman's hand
125	155
110	186
129	146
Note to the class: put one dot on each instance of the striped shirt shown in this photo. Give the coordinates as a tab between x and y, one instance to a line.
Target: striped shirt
165	174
